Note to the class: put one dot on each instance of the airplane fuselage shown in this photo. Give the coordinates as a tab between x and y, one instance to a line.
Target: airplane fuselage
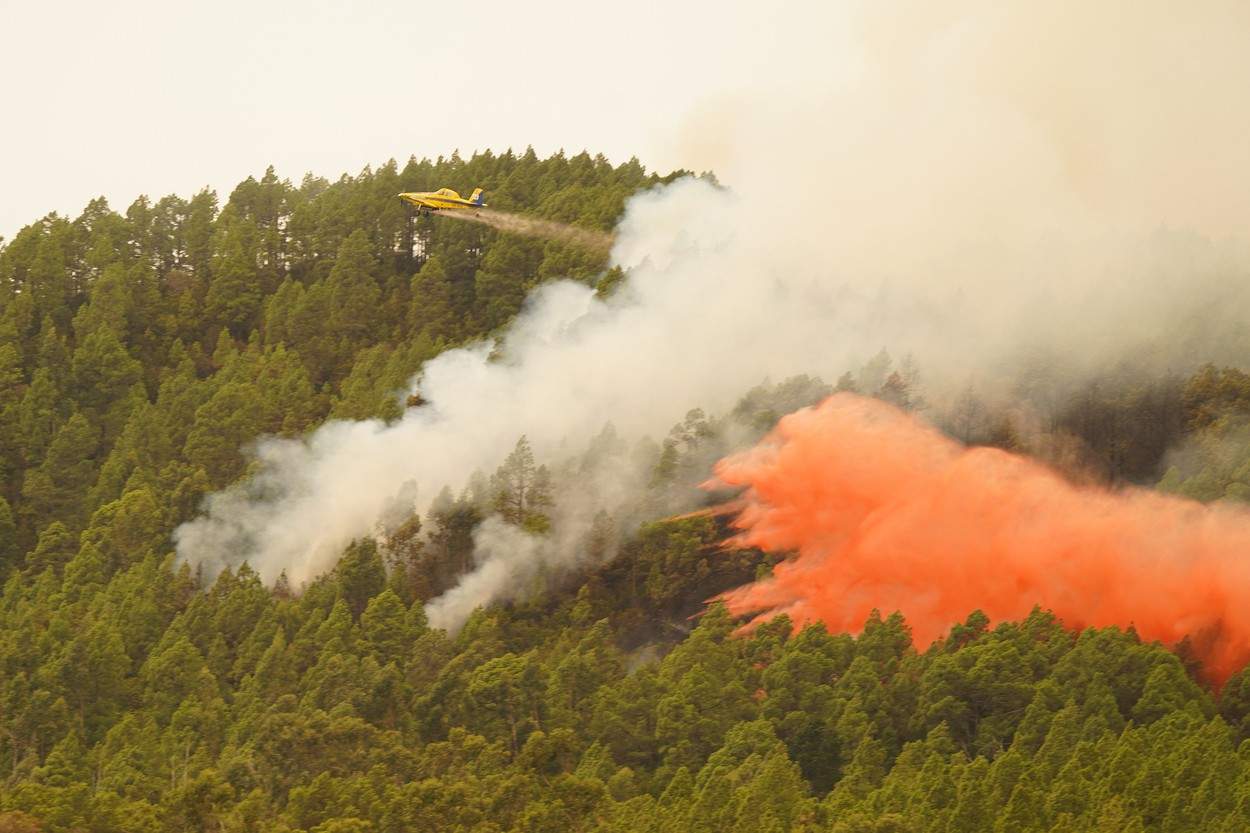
443	199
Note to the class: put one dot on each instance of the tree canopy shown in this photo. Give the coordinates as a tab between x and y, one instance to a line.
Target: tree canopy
140	353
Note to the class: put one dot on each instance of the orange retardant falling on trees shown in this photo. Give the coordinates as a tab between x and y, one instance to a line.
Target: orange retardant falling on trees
885	512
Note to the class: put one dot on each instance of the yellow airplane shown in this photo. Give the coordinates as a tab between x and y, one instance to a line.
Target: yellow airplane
444	199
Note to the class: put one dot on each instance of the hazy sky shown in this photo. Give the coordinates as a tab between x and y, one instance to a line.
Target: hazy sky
156	97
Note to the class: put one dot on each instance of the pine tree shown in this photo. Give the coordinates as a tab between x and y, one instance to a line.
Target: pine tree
354	293
39	416
58	488
234	296
384	626
10	555
105	376
222	426
514	484
433	303
361	575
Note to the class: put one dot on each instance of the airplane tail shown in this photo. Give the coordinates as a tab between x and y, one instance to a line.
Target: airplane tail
477	198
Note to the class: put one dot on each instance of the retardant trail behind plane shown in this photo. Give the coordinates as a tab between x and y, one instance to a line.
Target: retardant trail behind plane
597	241
884	512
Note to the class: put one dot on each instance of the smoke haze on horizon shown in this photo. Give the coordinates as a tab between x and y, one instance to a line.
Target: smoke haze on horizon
982	185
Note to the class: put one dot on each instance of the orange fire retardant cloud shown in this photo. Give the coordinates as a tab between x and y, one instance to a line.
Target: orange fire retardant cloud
885	512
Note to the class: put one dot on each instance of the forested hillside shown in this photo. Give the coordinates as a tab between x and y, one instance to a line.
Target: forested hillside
141	352
145	350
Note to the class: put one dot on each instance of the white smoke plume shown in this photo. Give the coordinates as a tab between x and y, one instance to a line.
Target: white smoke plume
505	557
594	490
975	183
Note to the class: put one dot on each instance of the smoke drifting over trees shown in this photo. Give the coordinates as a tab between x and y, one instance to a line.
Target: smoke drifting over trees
968	217
317	516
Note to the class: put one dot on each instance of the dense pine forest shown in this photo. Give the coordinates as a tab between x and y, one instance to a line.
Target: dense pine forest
141	352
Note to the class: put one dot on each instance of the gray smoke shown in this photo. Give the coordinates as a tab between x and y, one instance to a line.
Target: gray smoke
977	185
